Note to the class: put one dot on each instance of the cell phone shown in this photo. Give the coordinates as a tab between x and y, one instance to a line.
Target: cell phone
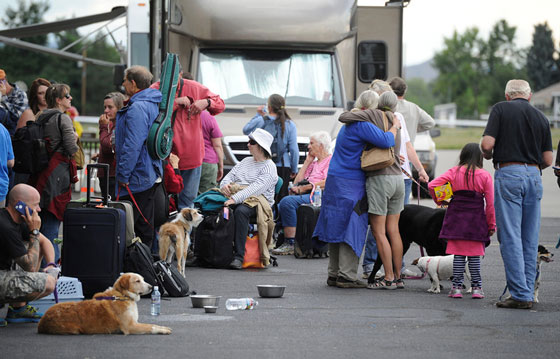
21	206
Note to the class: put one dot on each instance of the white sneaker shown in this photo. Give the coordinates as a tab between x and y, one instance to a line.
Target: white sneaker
408	273
380	273
284	249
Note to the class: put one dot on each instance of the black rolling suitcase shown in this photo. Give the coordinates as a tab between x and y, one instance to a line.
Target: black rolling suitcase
305	246
94	241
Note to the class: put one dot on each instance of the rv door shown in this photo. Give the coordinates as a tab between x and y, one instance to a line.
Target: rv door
378	45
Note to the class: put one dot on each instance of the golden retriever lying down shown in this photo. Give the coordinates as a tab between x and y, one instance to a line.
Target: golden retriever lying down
111	311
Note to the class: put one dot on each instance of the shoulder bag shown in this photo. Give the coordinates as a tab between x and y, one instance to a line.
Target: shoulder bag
376	158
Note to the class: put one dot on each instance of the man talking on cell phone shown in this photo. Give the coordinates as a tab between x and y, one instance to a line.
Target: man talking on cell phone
22	247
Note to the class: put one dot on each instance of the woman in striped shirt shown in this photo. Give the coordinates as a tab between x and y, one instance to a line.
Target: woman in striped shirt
258	174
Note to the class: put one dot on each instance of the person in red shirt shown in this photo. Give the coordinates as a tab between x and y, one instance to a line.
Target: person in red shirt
188	144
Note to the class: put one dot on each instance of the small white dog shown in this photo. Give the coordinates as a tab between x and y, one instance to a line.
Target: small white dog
438	268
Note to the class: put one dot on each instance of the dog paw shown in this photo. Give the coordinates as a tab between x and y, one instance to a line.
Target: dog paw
431	290
157	329
437	291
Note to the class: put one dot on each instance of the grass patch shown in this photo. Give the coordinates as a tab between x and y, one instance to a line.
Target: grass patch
456	138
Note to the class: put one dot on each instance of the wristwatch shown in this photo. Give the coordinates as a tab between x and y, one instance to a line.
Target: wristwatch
209	103
35	232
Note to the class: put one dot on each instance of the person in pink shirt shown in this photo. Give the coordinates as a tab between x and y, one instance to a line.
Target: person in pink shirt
213	161
470	219
313	173
191	100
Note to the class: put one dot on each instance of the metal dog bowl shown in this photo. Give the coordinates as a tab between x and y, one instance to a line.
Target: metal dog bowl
210	308
271	291
200	301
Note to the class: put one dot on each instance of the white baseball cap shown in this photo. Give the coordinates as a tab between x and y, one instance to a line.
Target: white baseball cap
263	138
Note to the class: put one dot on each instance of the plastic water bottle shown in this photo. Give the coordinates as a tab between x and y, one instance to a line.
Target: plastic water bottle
241	303
290	185
156	301
317	196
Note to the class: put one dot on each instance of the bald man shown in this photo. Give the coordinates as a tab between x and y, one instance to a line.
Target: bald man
21	243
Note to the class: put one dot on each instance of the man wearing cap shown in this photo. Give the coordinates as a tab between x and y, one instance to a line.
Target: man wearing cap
517	138
12	104
257	175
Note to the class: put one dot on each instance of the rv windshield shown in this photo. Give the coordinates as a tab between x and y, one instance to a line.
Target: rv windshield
250	76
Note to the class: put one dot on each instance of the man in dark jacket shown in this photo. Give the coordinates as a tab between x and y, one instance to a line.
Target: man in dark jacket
136	170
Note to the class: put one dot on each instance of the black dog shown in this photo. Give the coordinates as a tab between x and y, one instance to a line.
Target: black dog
421	225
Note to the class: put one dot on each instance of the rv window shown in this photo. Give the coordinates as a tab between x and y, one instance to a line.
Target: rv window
140	49
372	61
249	76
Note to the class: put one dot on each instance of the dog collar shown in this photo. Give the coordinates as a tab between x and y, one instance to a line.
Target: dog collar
113	298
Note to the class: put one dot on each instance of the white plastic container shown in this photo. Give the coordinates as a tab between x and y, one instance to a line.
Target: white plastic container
69	290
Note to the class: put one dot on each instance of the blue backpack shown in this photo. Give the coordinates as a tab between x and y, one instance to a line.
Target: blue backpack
278	148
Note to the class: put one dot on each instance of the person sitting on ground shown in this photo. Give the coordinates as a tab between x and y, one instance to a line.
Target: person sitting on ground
21	243
258	174
313	173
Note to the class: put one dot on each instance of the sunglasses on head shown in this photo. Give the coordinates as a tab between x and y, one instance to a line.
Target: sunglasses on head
252	142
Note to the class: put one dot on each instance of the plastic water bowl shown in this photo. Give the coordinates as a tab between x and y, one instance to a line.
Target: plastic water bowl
200	301
271	291
210	308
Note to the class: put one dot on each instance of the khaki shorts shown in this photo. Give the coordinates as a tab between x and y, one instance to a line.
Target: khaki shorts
385	194
18	285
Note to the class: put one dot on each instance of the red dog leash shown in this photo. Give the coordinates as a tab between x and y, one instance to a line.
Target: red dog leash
135	204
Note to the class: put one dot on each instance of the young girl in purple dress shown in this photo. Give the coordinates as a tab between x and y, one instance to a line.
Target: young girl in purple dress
470	219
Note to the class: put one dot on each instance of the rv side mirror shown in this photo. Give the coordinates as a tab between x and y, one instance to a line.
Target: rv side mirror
435	132
350	105
118	75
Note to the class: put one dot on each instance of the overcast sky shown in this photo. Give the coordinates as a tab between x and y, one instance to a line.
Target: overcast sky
426	22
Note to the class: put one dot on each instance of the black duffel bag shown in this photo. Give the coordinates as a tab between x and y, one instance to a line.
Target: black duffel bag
173	282
213	243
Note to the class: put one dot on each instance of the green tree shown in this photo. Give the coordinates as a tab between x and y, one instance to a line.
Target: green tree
542	68
473	71
421	93
26	65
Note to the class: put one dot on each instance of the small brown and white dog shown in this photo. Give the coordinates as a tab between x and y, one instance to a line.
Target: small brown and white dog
438	268
110	312
174	237
543	256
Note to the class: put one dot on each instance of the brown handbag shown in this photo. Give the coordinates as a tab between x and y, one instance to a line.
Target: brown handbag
375	158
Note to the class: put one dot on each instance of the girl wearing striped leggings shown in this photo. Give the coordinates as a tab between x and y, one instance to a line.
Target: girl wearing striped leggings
470	219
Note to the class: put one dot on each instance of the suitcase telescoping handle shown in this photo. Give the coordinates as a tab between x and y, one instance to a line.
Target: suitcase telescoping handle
89	168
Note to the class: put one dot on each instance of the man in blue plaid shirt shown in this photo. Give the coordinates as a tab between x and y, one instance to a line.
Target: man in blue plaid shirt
12	104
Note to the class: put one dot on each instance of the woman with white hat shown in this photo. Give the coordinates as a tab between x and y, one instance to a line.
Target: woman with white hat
258	174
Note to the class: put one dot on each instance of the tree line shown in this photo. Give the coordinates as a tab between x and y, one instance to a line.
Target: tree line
25	65
473	70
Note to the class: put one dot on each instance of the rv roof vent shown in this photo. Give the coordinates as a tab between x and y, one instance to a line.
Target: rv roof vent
316	113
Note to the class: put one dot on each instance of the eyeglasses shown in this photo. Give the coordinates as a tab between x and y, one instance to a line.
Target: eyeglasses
252	142
68	96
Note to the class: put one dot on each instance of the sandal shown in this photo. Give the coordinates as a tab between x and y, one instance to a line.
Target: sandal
382	284
399	283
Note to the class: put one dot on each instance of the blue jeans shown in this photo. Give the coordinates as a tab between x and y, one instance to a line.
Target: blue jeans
191	180
518	192
49	228
407	190
288	208
370	254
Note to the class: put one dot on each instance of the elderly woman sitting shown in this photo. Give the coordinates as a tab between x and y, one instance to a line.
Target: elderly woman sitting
257	175
312	173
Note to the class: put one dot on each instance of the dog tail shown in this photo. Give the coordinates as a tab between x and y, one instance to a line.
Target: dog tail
169	233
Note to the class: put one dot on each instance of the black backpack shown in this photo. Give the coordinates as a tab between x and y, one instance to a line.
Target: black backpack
30	147
138	259
213	243
173	282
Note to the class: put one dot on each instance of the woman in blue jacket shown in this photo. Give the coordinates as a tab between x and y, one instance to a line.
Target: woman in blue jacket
343	219
285	152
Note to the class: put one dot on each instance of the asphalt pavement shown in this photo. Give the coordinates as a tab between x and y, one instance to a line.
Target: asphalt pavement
313	320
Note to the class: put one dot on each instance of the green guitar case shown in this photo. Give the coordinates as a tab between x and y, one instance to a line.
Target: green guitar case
160	137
